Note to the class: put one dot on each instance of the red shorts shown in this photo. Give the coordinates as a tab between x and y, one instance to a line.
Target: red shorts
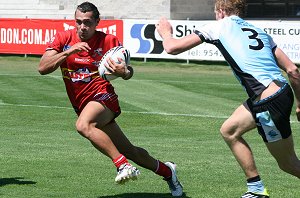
110	100
102	93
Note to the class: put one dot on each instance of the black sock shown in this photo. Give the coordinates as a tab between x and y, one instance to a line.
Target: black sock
253	179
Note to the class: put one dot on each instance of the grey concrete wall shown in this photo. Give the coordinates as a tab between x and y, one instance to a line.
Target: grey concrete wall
109	9
192	9
123	9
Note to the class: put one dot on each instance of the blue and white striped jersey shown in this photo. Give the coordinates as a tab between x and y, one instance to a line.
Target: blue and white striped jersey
247	49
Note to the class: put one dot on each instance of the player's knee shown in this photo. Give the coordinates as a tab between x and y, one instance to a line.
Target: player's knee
228	132
82	128
225	132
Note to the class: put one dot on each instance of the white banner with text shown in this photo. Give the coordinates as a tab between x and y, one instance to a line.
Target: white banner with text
143	41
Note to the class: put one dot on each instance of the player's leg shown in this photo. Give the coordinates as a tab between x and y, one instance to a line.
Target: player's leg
232	130
240	122
136	154
95	113
286	158
142	158
280	141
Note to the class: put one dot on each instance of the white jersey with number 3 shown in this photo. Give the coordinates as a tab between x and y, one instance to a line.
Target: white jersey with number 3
247	49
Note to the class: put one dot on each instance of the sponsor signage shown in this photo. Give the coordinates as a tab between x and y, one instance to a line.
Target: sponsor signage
141	38
30	36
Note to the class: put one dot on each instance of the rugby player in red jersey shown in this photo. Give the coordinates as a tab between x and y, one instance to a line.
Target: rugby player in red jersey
77	53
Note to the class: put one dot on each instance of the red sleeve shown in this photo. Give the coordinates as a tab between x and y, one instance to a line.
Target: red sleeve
59	41
112	40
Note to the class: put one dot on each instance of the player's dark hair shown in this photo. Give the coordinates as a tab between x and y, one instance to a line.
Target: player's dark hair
89	7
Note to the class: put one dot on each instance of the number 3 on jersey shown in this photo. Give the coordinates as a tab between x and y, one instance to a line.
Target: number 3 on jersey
259	45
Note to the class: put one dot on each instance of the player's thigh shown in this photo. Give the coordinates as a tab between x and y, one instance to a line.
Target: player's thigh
240	121
97	114
281	155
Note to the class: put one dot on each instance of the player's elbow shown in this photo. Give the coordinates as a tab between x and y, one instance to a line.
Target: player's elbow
171	50
293	72
43	73
42	70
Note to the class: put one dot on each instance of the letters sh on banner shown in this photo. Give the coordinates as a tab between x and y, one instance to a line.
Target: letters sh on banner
30	36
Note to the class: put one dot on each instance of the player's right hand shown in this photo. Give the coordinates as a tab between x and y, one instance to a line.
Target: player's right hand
78	47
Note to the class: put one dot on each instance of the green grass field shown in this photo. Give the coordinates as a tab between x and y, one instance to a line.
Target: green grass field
172	109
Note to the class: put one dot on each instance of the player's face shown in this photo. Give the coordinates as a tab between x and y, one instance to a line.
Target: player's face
85	25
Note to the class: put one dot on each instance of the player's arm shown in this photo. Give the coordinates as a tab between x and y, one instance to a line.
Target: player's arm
293	74
172	45
52	59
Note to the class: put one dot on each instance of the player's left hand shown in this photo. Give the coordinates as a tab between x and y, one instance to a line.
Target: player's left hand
164	28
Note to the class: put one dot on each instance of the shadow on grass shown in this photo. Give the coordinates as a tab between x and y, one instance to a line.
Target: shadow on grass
14	180
142	195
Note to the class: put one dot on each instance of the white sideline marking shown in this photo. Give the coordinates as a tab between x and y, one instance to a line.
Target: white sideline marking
132	112
141	80
38	106
177	114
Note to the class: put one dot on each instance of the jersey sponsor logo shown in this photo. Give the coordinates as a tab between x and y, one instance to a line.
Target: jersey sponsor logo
98	52
147	36
66	47
79	75
82	60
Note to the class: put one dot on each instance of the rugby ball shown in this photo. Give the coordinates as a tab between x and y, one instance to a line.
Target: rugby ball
114	53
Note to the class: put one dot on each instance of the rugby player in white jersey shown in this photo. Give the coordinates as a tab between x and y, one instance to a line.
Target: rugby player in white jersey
257	62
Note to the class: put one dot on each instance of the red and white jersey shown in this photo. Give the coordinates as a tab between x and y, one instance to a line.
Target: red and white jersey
80	71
